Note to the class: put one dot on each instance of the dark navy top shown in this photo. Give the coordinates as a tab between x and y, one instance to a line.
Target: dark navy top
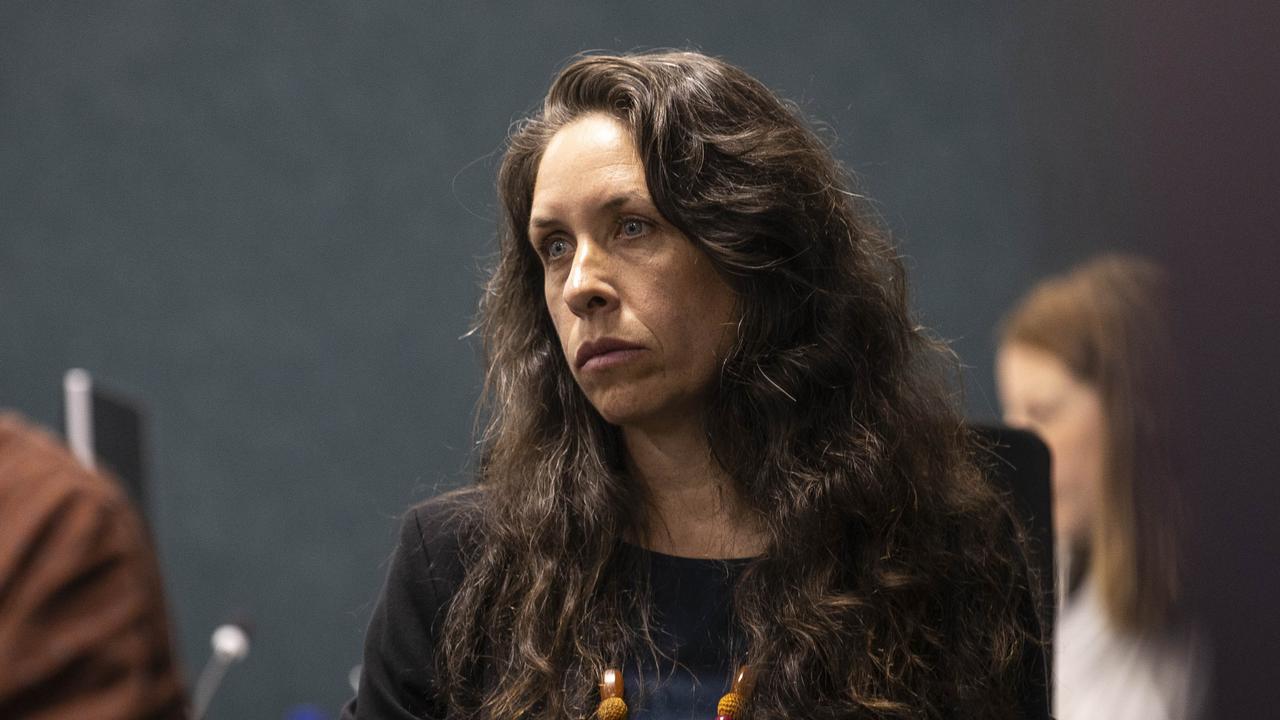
693	627
692	624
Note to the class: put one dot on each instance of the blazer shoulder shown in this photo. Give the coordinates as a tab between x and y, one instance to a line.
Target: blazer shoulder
448	526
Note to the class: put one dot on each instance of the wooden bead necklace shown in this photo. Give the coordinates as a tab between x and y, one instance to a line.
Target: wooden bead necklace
613	707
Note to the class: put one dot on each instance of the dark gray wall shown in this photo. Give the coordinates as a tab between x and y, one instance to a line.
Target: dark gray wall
264	220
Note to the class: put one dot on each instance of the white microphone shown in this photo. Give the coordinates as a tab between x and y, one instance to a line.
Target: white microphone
77	407
230	643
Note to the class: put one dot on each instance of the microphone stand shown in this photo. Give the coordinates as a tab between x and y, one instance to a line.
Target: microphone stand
230	645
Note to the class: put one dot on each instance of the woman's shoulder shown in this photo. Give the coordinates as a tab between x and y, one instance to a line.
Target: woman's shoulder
447	525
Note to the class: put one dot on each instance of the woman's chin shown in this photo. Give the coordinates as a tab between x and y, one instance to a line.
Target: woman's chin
623	415
637	412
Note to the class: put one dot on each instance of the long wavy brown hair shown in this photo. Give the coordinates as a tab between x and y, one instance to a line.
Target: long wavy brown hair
894	584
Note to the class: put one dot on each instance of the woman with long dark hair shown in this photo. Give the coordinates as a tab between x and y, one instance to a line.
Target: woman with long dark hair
720	472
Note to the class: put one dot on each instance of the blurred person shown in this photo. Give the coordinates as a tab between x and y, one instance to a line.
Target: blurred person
719	458
1085	360
83	626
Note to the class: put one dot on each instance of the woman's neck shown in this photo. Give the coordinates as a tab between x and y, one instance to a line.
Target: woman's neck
695	509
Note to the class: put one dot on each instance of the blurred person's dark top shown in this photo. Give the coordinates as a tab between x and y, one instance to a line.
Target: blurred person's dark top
83	625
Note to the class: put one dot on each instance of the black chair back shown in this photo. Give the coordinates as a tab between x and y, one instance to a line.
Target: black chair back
1018	462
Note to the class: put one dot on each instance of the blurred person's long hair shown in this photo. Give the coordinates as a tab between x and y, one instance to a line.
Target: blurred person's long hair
1107	321
894	584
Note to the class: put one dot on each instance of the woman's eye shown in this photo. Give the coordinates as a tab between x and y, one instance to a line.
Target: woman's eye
1041	413
633	227
557	247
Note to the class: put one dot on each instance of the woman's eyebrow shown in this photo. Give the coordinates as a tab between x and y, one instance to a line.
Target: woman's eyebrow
612	204
618	201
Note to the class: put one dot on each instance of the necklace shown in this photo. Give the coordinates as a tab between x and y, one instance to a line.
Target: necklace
613	707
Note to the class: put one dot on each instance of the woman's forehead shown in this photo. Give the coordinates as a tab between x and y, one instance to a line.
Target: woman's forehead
589	164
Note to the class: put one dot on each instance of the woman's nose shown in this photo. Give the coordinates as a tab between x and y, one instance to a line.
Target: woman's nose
589	287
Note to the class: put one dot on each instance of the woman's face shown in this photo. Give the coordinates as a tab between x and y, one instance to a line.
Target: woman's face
1038	392
643	317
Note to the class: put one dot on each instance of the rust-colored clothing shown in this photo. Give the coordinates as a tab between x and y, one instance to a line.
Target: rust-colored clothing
84	631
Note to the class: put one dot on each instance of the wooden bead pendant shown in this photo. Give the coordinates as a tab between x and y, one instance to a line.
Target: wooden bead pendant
732	702
612	706
612	709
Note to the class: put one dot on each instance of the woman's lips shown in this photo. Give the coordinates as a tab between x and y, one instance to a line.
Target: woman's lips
605	353
610	359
